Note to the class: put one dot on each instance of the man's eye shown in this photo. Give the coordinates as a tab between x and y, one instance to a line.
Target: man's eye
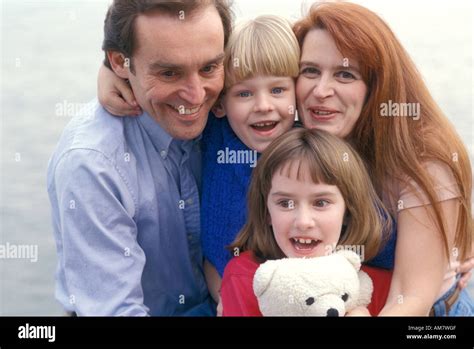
209	68
168	73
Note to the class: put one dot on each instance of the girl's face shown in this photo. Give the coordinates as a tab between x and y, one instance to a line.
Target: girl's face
330	91
306	217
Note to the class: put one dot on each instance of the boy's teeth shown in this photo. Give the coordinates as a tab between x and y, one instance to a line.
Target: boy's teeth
263	124
186	111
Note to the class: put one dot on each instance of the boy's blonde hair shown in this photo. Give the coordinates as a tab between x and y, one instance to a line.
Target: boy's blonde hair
265	45
330	160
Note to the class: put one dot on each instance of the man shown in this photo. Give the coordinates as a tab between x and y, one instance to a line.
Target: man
124	191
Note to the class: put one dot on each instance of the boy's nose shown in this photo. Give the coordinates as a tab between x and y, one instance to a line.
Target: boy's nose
262	104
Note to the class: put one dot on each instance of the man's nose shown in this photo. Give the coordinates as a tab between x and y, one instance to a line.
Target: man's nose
193	91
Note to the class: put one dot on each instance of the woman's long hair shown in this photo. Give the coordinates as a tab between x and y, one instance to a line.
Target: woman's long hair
396	147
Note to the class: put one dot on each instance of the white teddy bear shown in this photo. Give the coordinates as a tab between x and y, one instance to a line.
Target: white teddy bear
320	286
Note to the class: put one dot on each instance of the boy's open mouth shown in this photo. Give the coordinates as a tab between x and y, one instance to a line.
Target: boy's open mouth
264	126
304	244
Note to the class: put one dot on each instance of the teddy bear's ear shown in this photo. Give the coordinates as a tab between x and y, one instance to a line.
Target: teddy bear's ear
263	277
352	257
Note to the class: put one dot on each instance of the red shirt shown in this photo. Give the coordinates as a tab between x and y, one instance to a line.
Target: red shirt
238	298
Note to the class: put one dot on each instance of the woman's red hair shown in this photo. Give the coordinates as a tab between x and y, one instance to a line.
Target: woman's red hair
396	146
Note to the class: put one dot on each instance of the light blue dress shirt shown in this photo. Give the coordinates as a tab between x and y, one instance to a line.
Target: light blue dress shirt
125	211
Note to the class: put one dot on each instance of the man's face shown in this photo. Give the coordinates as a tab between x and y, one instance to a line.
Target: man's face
178	69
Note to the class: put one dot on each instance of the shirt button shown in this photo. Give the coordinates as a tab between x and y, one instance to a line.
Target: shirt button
189	201
163	154
190	237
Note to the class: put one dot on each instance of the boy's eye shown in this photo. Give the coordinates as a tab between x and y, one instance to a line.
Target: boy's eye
277	90
244	94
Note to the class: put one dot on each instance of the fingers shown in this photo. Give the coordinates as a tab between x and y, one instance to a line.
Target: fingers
466	266
464	280
117	106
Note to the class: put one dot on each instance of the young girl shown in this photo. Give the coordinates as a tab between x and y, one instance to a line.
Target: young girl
310	192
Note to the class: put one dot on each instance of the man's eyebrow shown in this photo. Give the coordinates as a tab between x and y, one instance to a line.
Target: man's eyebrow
164	65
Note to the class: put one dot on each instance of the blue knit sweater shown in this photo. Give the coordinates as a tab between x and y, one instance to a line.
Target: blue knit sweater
224	192
224	197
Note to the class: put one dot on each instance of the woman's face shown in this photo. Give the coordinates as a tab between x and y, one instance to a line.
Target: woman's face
330	91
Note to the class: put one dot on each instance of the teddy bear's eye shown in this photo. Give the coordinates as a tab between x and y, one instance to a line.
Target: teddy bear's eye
309	301
345	297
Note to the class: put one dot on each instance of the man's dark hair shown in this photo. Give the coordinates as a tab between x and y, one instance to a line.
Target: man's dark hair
119	25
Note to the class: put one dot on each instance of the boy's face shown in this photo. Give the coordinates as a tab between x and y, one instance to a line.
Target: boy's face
260	109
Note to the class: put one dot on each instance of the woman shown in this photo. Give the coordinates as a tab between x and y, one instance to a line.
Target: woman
355	79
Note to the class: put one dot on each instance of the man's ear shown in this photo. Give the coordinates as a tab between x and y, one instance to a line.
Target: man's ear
218	108
119	64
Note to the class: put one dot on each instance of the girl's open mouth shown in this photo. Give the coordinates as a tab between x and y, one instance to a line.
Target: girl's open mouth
304	244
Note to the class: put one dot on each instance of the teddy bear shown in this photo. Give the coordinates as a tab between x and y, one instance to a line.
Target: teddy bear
321	286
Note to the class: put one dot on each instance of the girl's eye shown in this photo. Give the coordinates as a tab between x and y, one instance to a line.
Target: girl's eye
321	203
287	204
244	94
345	75
277	90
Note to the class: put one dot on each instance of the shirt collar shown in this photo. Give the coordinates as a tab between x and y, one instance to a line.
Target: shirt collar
161	139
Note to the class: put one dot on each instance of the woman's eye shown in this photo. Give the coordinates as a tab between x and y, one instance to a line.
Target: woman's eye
346	75
309	71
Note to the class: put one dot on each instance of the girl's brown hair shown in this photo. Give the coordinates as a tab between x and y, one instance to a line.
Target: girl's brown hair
396	148
330	160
